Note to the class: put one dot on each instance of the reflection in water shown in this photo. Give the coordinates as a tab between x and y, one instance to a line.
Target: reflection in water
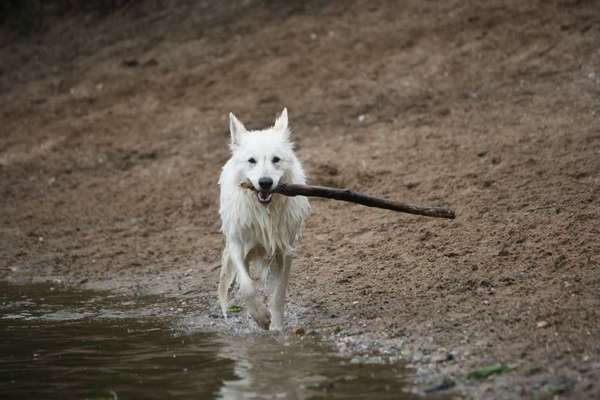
67	345
287	368
96	359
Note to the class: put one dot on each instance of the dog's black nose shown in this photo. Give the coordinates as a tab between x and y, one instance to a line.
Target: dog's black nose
265	183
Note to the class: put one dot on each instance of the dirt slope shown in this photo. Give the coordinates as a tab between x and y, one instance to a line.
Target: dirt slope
113	130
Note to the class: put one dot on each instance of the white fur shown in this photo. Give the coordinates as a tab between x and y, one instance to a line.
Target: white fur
265	235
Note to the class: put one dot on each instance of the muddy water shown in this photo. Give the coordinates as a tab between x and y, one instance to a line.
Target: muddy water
56	344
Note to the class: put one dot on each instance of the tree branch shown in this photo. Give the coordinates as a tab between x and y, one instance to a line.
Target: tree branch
358	198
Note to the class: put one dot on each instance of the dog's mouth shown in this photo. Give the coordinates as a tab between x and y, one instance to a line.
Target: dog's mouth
264	197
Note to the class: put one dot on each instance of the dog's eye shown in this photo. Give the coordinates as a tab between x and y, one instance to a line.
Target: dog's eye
251	160
276	160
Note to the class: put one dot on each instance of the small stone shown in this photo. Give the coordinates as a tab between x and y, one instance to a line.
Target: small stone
542	324
442	357
298	331
444	383
131	63
503	252
558	385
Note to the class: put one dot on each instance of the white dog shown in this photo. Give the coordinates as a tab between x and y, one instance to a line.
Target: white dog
261	228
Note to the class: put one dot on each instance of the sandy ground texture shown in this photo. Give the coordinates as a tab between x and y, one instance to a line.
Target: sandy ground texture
113	130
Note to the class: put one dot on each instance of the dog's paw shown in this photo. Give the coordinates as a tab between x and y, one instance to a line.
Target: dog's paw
262	317
263	322
259	313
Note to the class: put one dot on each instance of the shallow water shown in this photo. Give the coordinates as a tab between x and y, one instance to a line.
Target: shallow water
57	344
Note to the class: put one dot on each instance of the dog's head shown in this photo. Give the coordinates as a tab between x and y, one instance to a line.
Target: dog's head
263	157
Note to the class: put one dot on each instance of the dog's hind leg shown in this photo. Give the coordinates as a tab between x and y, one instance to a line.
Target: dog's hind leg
278	281
225	281
247	290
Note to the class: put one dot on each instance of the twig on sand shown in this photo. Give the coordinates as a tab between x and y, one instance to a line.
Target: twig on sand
358	198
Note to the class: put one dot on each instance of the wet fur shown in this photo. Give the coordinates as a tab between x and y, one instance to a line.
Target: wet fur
258	234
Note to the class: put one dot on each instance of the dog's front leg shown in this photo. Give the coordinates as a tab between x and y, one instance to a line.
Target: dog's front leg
226	278
278	281
247	290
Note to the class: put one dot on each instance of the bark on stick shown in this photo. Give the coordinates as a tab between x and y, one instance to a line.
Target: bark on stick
358	198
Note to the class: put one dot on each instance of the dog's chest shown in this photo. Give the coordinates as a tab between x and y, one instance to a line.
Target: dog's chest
270	228
276	228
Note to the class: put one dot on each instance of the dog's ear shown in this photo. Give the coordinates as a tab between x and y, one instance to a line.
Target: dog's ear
281	123
236	129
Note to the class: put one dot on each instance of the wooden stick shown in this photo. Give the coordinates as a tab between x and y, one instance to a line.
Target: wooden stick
358	198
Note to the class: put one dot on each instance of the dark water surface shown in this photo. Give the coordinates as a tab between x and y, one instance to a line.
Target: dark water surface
57	344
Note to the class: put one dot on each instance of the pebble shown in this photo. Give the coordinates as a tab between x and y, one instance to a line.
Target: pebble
542	324
298	331
443	357
558	385
444	383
